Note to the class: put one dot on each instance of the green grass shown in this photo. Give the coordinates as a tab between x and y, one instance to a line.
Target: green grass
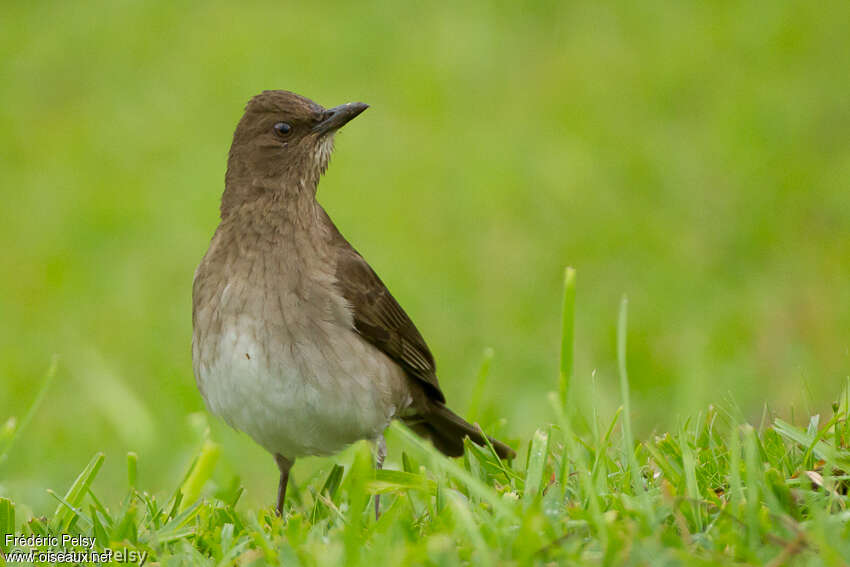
710	492
713	491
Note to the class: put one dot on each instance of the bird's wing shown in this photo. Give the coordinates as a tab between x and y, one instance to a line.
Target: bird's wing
380	320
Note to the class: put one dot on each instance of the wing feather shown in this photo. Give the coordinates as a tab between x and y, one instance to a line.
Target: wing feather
380	320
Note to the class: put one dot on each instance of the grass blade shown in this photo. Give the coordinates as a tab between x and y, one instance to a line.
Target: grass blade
66	513
567	334
628	438
752	465
7	522
398	481
200	473
622	325
536	469
814	443
132	469
36	402
691	485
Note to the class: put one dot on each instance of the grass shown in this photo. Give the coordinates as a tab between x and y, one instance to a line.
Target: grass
713	491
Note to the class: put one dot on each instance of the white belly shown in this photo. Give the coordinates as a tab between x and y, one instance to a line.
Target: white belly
311	392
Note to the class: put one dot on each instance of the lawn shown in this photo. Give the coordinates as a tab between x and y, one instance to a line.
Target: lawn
714	491
692	156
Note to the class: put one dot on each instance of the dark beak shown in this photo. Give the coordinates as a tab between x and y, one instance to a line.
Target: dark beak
338	116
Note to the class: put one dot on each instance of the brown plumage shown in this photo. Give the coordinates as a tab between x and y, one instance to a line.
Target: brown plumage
297	342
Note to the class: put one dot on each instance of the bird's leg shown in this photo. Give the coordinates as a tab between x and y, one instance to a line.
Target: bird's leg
380	455
284	465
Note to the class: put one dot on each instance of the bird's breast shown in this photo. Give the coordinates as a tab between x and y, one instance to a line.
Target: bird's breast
276	356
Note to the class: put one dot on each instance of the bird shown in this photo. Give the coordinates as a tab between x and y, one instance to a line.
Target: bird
296	340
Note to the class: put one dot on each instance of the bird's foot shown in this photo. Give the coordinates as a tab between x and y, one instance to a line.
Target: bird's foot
284	465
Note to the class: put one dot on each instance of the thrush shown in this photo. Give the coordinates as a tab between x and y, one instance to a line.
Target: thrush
297	342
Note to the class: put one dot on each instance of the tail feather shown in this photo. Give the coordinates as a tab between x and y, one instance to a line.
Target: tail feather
446	430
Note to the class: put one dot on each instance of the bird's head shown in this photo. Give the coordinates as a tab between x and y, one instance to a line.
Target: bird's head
285	140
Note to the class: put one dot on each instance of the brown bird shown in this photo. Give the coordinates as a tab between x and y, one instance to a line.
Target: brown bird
297	342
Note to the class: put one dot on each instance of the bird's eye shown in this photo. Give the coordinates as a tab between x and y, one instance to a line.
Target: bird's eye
282	128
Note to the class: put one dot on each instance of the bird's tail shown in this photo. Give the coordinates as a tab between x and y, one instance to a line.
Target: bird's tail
446	430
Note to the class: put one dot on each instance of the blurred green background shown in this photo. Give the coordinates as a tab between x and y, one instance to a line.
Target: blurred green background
694	155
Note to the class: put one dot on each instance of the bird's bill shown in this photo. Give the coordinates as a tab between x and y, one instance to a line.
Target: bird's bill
338	116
